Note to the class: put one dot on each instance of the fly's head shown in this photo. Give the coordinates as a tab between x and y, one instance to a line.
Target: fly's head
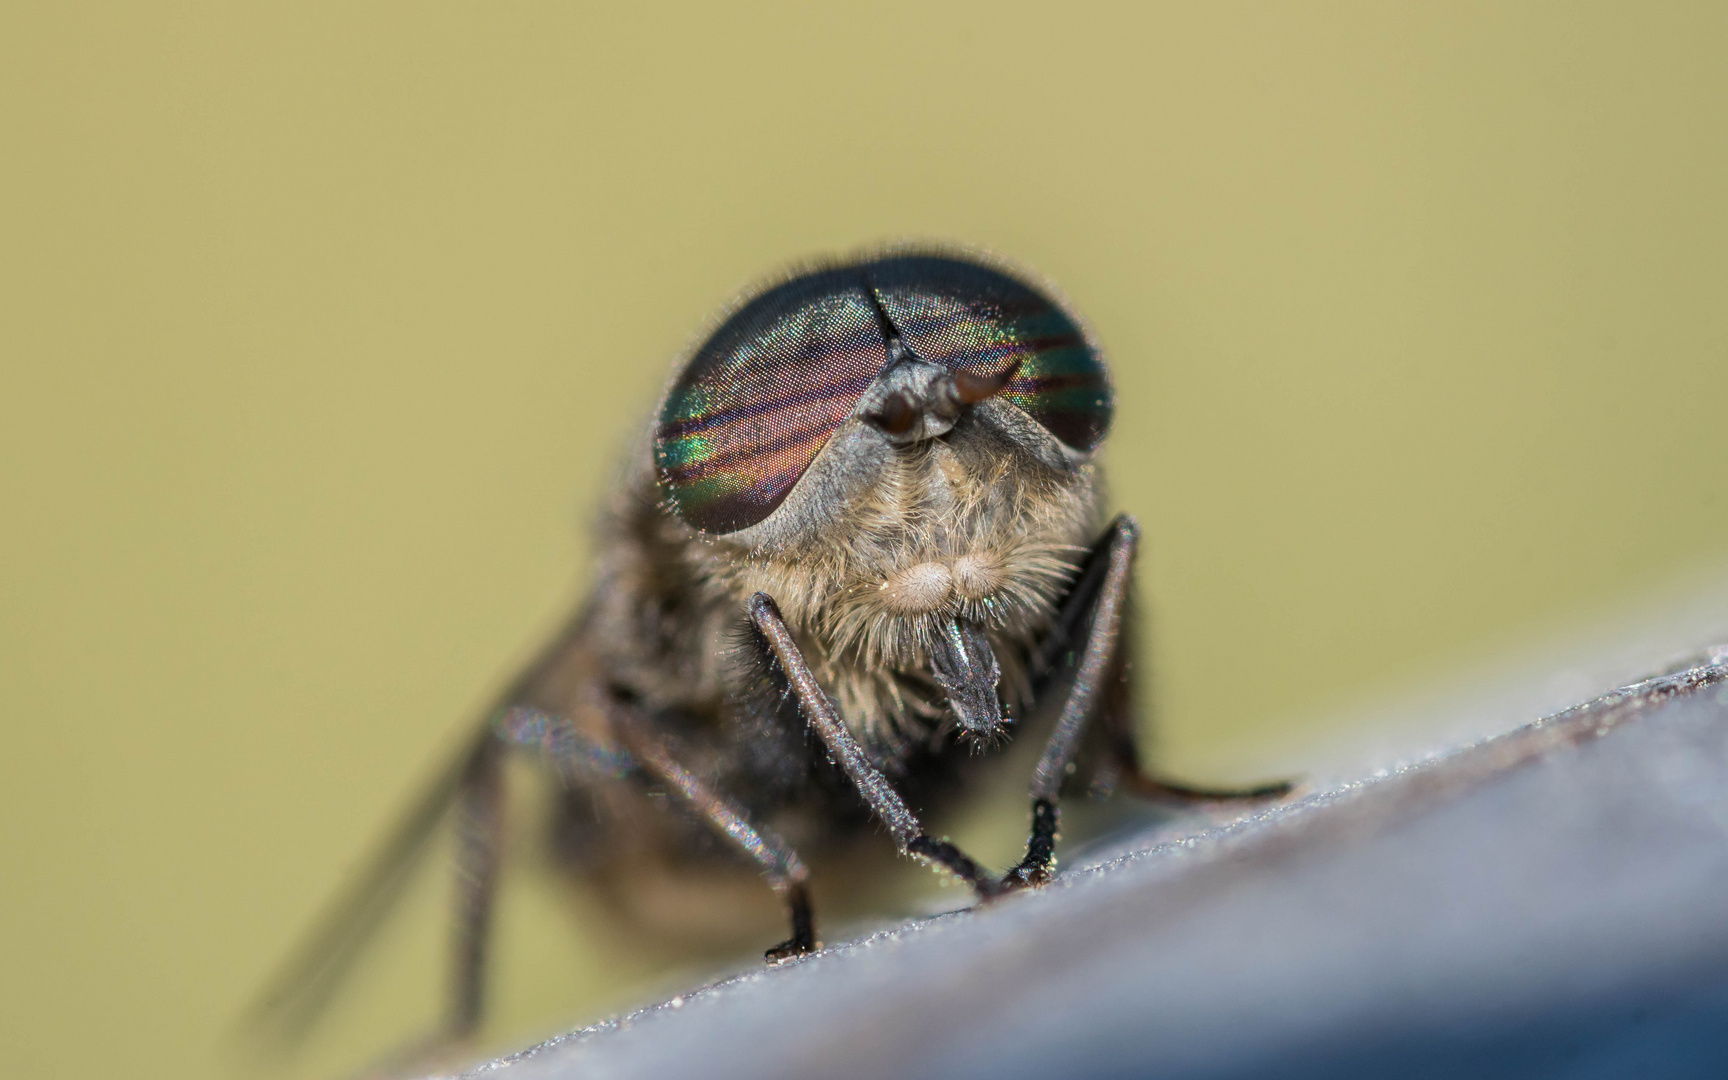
899	450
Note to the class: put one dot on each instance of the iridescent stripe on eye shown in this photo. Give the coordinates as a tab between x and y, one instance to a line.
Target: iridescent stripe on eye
973	318
762	396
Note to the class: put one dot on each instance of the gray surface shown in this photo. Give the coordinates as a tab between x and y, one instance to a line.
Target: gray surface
1553	902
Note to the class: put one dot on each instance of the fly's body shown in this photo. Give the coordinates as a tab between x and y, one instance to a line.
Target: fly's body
863	543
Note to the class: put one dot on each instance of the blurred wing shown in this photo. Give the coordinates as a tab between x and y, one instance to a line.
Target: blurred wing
294	999
296	996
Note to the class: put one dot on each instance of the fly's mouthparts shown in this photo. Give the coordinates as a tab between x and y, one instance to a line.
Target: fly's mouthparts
965	667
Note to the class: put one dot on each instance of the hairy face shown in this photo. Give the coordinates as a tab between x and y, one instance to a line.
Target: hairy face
973	529
972	525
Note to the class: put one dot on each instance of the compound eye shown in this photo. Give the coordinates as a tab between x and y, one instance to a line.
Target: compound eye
761	397
976	319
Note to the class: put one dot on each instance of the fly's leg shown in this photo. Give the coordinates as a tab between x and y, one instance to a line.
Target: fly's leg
1106	597
780	865
1116	714
301	990
1099	603
479	846
631	746
886	803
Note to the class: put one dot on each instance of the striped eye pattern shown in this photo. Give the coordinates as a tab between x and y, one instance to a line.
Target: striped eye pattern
972	318
761	397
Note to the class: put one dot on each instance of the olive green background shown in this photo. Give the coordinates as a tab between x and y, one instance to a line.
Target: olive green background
323	325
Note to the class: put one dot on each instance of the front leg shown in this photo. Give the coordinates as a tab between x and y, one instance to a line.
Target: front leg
889	808
1098	603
